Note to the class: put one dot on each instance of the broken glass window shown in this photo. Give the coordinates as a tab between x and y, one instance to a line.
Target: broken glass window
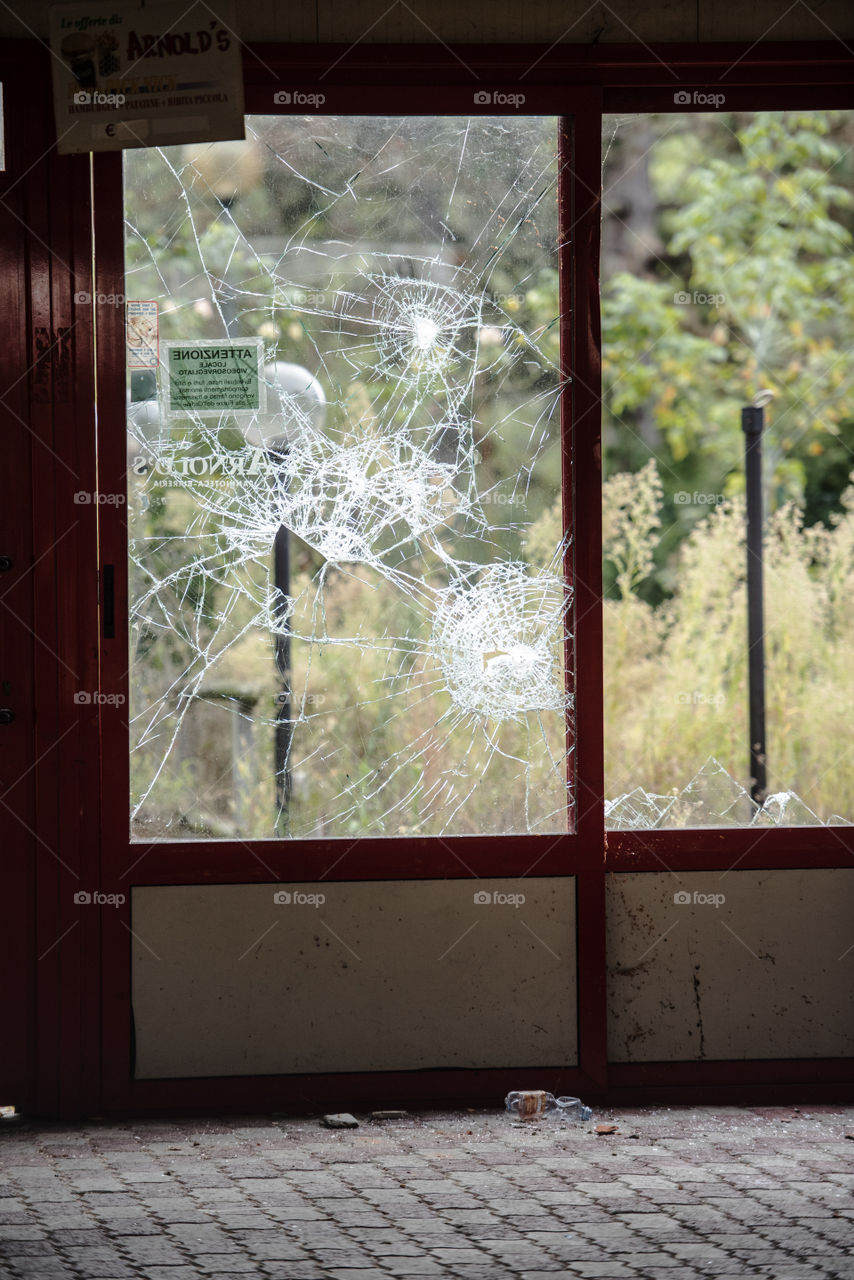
349	611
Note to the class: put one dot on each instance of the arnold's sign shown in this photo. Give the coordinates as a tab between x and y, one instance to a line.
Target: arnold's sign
128	76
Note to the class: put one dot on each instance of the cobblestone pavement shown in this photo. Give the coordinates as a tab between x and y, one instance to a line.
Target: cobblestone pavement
679	1193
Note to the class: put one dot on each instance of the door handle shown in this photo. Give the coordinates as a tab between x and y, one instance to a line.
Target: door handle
108	613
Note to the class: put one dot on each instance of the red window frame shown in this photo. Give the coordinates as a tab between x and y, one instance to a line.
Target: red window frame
380	857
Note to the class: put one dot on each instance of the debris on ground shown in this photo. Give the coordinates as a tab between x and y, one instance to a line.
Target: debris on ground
531	1104
341	1120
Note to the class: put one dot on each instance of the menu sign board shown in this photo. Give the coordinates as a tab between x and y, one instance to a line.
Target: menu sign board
152	76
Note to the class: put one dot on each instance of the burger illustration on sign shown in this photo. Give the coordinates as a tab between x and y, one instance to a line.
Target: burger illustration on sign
78	50
90	58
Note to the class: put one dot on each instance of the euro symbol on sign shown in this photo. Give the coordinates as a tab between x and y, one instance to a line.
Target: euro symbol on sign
111	130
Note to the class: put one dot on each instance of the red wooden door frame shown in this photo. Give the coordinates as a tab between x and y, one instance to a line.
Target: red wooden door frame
49	815
203	862
17	837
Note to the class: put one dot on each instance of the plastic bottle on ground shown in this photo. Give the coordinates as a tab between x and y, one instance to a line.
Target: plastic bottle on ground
530	1104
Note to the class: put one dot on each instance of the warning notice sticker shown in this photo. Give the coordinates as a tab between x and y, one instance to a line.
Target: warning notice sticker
213	376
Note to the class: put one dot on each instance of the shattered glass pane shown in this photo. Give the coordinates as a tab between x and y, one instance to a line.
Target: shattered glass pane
349	610
785	809
637	808
727	299
711	799
712	796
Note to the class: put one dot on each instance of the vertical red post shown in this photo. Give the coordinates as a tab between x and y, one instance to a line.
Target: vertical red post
579	196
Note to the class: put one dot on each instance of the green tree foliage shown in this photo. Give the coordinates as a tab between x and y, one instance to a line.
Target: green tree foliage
753	289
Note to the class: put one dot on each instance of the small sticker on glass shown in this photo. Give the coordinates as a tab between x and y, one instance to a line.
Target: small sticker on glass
143	335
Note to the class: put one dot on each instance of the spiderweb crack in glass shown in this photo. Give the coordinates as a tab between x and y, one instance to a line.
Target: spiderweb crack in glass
416	331
498	641
403	277
344	501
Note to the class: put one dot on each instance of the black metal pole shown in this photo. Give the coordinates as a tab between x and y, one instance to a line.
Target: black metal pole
284	723
752	423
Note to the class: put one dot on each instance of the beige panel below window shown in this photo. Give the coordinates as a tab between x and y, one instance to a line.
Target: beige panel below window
765	973
378	977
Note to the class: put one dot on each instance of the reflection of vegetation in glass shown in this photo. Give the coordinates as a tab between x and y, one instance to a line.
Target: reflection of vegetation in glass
727	268
411	266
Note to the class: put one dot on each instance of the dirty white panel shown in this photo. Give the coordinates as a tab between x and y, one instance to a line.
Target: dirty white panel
379	976
765	973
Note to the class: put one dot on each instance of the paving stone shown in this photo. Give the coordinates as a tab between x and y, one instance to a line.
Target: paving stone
342	1258
510	1207
454	1255
652	1262
293	1271
199	1239
235	1222
478	1217
421	1244
291	1213
398	1246
504	1230
473	1271
51	1220
354	1220
214	1264
248	1268
357	1273
276	1250
413	1267
159	1272
103	1268
139	1226
41	1193
518	1250
108	1204
88	1237
85	1254
797	1271
84	1182
610	1270
42	1267
173	1210
152	1251
548	1266
25	1249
